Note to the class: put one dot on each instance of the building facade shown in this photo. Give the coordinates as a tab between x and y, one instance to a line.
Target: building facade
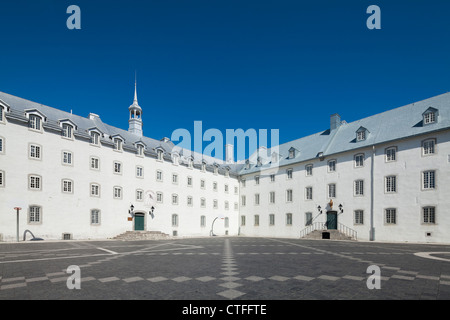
384	178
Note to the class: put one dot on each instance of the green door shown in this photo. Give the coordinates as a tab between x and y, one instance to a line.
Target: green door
138	222
332	220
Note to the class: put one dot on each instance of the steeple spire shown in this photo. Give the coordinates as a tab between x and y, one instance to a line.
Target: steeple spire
135	121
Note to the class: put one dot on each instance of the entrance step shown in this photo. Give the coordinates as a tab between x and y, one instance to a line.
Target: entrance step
142	235
327	234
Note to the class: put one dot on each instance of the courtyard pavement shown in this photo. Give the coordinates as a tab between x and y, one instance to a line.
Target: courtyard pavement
223	268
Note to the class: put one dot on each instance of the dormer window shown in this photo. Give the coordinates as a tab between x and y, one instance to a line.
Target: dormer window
247	164
292	153
430	116
361	134
175	158
190	162
67	130
2	113
35	122
274	157
259	162
140	150
95	138
216	169
160	154
118	144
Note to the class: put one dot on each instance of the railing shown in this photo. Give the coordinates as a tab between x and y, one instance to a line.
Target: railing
323	226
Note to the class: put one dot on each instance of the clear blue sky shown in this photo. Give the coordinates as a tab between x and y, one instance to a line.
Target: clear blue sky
266	64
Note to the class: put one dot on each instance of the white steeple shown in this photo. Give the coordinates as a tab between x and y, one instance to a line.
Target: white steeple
135	121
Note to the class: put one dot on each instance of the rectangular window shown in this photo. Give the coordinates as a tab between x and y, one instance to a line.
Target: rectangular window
289	219
256	180
243	201
67	157
95	216
35	183
139	195
95	138
332	166
35	122
289	173
429	215
1	145
359	217
159	197
202	221
174	199
189	181
242	220
202	184
272	197
256	199
308	218
2	178
139	172
428	147
35	151
215	186
272	178
67	130
202	202
189	201
159	175
309	170
309	193
34	214
118	144
174	220
117	167
289	195
390	184
95	163
429	179
390	216
67	186
332	190
359	160
256	217
359	187
95	190
271	219
391	154
117	192
174	178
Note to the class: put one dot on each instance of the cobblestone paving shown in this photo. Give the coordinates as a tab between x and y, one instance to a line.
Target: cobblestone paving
225	268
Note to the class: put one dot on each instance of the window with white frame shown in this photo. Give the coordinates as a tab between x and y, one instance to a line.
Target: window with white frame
189	201
34	214
429	117
2	113
174	220
289	195
35	151
139	172
256	180
67	186
34	182
2	145
256	220
160	155
2	178
429	179
289	173
390	216
289	219
67	157
95	138
256	199
202	184
359	160
215	204
174	199
227	222
242	221
243	200
117	167
358	217
95	190
95	217
175	178
428	147
308	218
429	215
215	186
309	193
236	206
309	170
271	219
117	192
332	166
358	187
94	163
391	154
243	183
226	205
140	150
202	221
139	195
390	184
226	188
67	130
118	144
272	178
159	197
189	181
202	202
272	197
332	190
35	122
159	175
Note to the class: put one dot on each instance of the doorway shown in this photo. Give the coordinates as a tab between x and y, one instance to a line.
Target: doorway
139	222
332	220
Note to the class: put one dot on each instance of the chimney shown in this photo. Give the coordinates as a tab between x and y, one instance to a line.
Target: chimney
229	153
335	121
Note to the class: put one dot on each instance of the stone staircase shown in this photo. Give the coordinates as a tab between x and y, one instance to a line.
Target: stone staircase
142	235
327	234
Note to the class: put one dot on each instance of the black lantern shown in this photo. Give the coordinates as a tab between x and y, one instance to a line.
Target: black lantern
340	208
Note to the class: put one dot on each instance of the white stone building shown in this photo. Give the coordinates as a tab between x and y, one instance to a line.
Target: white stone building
386	176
